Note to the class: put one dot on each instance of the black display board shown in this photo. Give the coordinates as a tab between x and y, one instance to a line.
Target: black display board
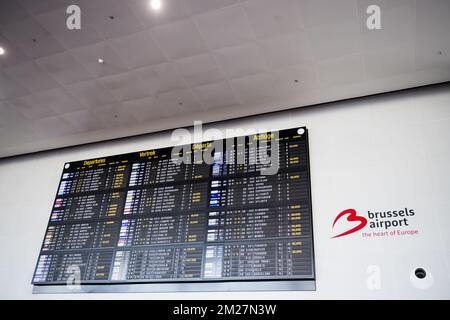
143	217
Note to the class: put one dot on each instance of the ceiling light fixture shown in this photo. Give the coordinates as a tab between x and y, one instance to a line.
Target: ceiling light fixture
156	4
2	51
101	61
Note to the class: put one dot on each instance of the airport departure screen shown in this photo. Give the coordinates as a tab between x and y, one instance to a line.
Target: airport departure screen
203	212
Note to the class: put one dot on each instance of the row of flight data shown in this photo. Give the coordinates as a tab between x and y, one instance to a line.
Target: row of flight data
229	193
124	174
198	226
255	260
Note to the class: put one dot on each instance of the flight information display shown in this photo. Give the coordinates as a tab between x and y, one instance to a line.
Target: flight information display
237	210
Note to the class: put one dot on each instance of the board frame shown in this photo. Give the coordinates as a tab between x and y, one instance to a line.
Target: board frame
244	285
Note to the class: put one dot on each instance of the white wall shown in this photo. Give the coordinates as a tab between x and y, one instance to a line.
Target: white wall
379	153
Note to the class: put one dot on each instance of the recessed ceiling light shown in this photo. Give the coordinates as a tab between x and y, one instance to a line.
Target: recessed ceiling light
2	51
101	61
156	4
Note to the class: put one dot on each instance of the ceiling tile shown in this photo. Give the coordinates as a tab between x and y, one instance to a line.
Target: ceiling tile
216	95
142	109
41	6
111	18
345	70
9	116
161	78
270	18
168	78
255	88
64	68
398	24
178	101
432	51
83	120
389	61
31	38
332	41
200	69
52	127
91	93
296	78
13	54
201	6
326	13
30	108
58	100
212	26
173	10
238	62
18	134
88	56
11	12
115	115
44	46
179	39
10	88
120	88
55	23
131	49
31	76
287	49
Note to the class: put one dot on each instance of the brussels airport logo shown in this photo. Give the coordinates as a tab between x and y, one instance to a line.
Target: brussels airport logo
351	217
375	224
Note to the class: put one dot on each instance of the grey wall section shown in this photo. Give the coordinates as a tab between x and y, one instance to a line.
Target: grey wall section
371	154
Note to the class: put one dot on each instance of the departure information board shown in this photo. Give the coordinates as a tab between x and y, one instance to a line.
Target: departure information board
167	215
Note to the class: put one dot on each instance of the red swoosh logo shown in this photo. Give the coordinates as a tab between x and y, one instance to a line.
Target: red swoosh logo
352	216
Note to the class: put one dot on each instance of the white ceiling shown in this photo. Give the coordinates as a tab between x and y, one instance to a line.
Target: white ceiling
200	60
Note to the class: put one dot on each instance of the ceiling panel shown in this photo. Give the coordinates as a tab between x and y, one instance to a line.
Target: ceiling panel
119	88
91	93
88	57
64	68
30	108
201	6
216	95
342	71
58	100
10	88
211	27
55	23
241	61
255	88
83	120
215	59
37	7
131	49
270	18
200	69
174	10
179	39
31	76
296	50
12	12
